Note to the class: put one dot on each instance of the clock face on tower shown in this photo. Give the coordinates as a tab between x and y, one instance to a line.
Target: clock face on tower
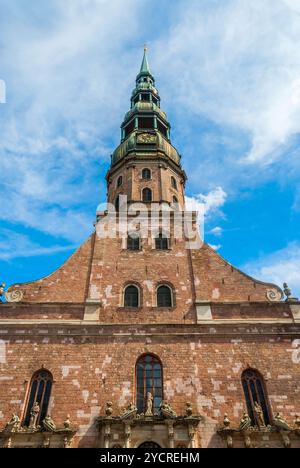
146	138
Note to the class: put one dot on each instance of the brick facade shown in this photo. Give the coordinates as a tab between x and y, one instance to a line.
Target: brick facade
73	324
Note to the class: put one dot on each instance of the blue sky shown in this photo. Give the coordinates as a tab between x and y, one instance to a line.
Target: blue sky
228	72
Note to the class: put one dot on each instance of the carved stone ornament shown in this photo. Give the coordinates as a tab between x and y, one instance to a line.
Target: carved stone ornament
14	296
129	412
146	138
273	295
167	411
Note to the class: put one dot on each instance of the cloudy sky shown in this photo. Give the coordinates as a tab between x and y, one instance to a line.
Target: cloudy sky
228	72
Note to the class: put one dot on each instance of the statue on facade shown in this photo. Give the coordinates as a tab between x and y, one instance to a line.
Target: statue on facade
167	411
129	412
13	425
245	422
226	421
48	424
34	415
259	415
109	409
149	405
189	410
281	423
67	422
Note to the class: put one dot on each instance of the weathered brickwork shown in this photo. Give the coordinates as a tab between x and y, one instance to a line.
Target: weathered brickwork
219	325
92	365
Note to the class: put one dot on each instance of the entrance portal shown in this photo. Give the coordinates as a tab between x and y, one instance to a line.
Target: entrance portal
152	445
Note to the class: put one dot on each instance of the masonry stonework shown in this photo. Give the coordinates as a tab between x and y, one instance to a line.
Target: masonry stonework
74	329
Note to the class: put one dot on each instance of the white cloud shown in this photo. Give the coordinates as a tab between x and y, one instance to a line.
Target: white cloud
217	231
207	204
279	267
63	64
14	245
237	63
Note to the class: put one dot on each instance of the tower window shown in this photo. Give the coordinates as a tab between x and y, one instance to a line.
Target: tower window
255	393
161	242
147	195
120	181
173	183
129	128
146	174
175	200
162	129
146	123
40	391
145	97
164	297
149	381
133	242
131	297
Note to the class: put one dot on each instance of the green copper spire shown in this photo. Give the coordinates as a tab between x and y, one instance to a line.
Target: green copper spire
145	65
145	74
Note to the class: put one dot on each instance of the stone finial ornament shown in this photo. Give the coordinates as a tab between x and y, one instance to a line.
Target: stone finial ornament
67	422
189	410
245	422
109	409
288	293
2	288
226	421
281	423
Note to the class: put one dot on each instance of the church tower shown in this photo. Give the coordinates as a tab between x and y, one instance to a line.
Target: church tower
146	167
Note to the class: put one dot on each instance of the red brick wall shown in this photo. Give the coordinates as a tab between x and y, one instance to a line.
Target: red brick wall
92	365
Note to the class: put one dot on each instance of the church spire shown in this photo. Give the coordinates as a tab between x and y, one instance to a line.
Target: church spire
145	72
145	65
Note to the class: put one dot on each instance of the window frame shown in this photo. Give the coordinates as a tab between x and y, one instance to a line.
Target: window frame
260	392
172	296
150	191
131	285
150	174
33	396
155	361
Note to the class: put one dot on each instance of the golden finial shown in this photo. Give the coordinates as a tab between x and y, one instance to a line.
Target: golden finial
145	48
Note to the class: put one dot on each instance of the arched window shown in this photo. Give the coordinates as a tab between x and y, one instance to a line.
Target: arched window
161	242
164	296
40	391
146	174
173	183
175	200
147	195
131	297
133	242
120	181
255	392
149	381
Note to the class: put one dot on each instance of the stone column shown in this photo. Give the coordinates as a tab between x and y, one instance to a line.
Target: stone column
107	435
170	427
127	433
